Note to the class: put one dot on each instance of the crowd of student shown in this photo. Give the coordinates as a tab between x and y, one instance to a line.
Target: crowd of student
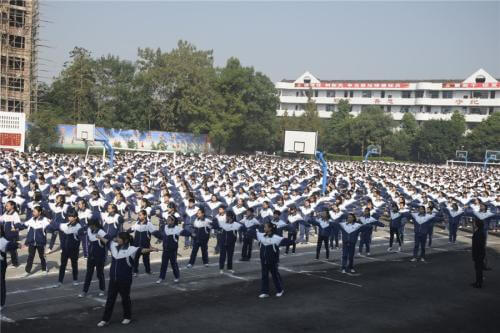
111	214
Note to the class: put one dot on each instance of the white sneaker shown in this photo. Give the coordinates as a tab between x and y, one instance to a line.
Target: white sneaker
389	249
422	259
102	323
101	294
367	254
176	280
399	249
359	254
126	321
25	275
231	271
413	259
206	265
57	285
280	294
136	274
343	271
159	281
189	266
82	295
75	283
221	271
263	295
353	271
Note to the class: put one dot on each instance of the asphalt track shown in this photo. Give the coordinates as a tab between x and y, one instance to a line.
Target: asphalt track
387	294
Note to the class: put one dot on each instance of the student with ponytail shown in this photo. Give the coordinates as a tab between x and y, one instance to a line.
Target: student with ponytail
123	257
97	256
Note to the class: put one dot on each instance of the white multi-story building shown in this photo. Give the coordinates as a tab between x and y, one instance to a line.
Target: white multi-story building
475	97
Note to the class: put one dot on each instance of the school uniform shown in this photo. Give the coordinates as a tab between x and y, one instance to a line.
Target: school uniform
5	246
96	259
36	239
170	239
365	237
84	216
335	232
395	227
325	228
70	236
228	239
454	217
120	279
350	234
58	217
421	229
201	234
142	238
269	260
11	223
249	224
293	226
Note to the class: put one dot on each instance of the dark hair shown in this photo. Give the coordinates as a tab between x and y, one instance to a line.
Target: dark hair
126	238
93	222
271	225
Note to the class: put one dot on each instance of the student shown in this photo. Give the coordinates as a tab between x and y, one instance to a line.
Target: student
96	256
350	231
201	234
123	255
59	209
142	230
70	235
335	215
395	226
454	216
249	223
292	222
84	215
478	252
308	214
5	246
36	238
269	258
368	221
325	228
10	224
111	221
421	228
228	239
169	234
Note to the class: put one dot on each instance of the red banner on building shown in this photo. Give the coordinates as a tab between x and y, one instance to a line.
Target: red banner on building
471	85
10	139
355	85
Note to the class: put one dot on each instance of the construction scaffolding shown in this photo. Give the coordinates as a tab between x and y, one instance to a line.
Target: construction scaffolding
19	24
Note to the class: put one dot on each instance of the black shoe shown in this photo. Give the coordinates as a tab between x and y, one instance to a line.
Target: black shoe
476	285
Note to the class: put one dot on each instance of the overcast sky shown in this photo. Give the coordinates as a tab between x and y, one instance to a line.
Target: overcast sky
333	40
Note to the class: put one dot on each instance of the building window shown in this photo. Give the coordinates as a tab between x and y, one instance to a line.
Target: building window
330	93
296	107
351	93
406	94
434	94
419	93
447	94
346	94
15	106
16	41
446	110
16	84
16	18
366	94
330	107
316	93
405	109
480	94
389	108
20	3
382	94
15	63
492	94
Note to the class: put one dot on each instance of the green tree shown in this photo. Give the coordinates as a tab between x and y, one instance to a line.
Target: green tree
485	136
179	86
43	129
409	124
434	143
372	126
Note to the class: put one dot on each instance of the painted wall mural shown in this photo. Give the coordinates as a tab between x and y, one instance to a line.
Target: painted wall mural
152	140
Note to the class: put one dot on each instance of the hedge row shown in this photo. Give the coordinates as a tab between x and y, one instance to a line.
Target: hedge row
335	157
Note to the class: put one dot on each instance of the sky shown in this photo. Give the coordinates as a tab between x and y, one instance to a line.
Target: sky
333	40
